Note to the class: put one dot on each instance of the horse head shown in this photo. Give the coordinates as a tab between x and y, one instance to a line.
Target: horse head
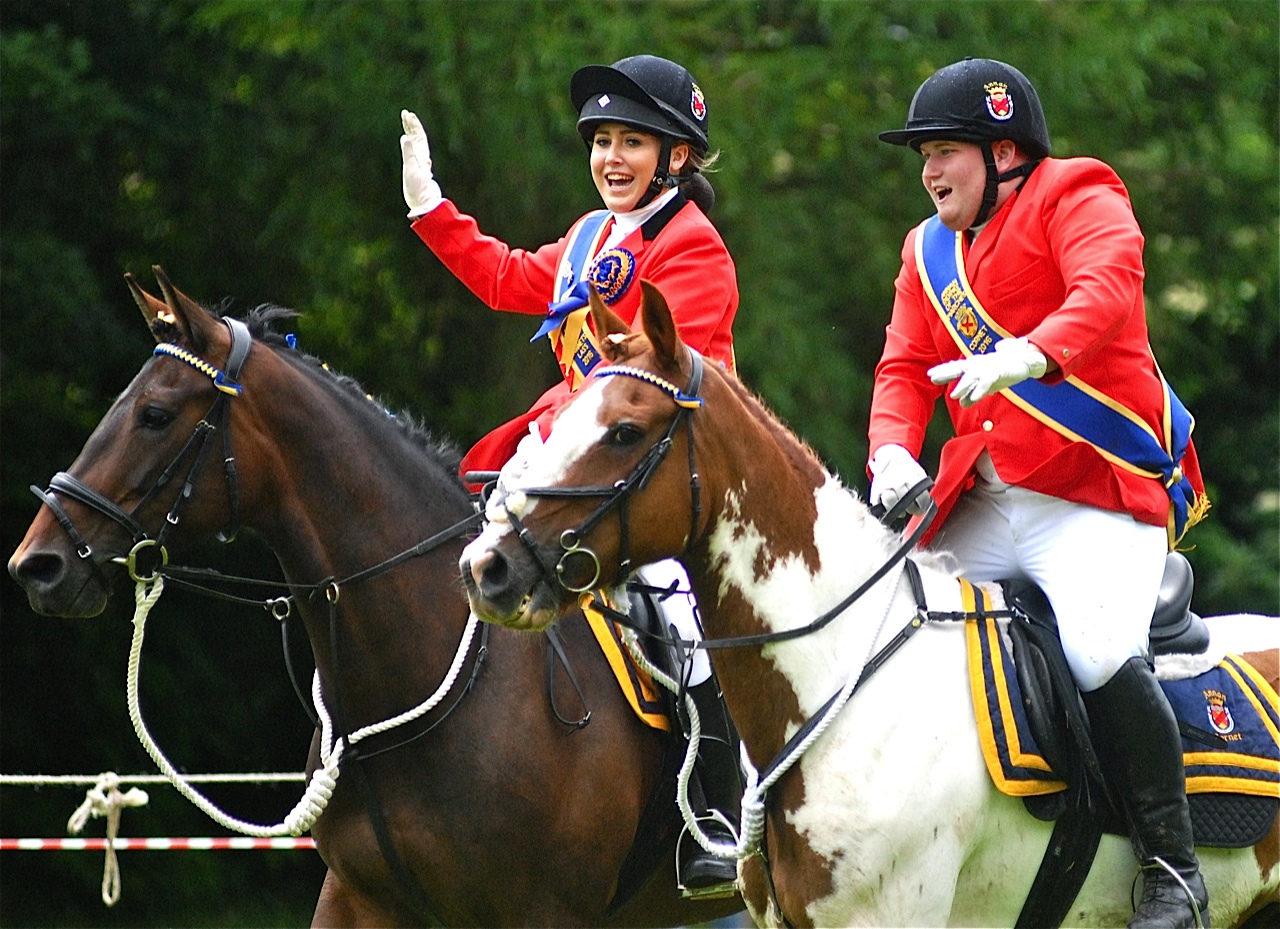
615	485
137	482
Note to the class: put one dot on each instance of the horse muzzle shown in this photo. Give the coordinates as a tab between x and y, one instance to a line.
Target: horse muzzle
57	582
508	590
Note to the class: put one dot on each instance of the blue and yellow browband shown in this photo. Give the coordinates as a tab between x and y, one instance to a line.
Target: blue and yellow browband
679	396
220	380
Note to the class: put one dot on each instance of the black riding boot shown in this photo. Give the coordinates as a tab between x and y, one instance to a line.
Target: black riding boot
1138	744
715	791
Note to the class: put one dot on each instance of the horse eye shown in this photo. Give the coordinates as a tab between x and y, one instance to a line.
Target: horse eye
624	435
154	417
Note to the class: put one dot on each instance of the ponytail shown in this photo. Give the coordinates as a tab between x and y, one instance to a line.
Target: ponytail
698	189
694	184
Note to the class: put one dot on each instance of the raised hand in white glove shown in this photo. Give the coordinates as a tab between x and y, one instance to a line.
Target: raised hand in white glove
894	471
421	192
1013	360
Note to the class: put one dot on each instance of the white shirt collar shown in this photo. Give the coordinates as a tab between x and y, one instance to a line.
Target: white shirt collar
626	223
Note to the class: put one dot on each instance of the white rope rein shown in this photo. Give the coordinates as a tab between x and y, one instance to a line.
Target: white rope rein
753	799
320	788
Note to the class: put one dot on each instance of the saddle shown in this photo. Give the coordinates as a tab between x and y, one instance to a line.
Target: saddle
1057	721
1055	712
1060	727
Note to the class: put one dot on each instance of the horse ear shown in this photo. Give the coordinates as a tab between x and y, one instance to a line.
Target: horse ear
658	324
608	326
152	309
196	325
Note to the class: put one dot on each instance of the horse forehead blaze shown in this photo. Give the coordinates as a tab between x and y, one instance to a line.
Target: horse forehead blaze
577	427
542	463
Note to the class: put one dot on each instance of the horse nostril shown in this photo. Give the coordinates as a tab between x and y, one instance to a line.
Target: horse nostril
491	572
38	569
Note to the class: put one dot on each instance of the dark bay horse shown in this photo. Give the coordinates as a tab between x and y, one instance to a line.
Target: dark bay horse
501	815
890	817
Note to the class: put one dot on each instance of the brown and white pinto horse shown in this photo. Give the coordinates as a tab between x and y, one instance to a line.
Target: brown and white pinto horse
890	818
497	812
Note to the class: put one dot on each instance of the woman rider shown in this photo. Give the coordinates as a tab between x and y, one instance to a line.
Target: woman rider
644	121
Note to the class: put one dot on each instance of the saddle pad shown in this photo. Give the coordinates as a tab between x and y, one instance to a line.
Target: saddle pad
1013	759
637	685
1230	729
1228	716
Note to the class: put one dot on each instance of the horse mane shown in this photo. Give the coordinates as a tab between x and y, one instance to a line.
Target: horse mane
262	320
801	453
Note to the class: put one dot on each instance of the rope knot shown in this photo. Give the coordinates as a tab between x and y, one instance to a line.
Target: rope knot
104	799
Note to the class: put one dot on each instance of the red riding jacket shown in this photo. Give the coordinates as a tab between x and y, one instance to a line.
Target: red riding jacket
678	249
1060	263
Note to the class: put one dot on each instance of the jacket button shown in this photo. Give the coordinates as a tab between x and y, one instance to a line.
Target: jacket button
987	425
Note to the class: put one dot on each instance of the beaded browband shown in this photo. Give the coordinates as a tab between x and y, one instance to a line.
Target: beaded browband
220	380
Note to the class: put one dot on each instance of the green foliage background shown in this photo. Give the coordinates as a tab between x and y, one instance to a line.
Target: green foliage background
252	149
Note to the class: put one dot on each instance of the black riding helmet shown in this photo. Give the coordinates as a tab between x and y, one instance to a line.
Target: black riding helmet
978	100
648	93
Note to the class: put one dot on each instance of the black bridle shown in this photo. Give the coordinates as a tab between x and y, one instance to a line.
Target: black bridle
196	447
618	494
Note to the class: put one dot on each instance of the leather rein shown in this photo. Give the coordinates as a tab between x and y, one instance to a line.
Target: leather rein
616	496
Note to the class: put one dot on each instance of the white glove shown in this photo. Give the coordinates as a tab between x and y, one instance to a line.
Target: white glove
421	192
894	471
1013	361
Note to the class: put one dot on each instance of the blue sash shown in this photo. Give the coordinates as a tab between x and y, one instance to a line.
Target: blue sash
1071	407
572	340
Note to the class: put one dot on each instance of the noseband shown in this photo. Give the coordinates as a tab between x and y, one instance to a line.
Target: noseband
617	494
217	417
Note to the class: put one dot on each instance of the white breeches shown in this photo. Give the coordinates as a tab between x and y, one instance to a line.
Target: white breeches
679	610
1101	570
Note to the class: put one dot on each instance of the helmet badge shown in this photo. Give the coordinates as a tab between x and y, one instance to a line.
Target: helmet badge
999	103
603	101
698	104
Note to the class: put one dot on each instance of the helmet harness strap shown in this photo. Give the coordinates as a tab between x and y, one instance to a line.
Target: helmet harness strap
995	179
663	179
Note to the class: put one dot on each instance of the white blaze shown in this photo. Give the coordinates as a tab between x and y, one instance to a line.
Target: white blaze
539	463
